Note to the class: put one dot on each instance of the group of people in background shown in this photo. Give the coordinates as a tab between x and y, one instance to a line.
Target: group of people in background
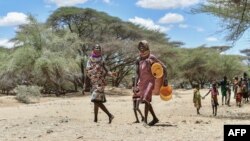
240	88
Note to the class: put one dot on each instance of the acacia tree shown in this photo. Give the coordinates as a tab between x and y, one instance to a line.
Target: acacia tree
7	77
97	27
247	53
32	34
235	15
59	63
202	65
194	66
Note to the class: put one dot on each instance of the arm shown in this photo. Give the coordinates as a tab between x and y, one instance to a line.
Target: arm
207	93
137	71
194	96
135	78
219	83
109	73
235	88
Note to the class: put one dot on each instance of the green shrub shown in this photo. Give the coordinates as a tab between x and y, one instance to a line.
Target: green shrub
28	94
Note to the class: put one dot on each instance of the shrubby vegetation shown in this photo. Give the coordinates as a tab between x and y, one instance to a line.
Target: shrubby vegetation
53	55
27	94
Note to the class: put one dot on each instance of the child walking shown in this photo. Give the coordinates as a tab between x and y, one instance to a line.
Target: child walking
136	101
228	94
214	99
238	90
197	98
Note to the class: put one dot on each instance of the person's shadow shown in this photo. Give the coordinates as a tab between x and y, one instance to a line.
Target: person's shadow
166	124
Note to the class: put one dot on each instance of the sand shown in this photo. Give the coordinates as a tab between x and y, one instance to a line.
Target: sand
70	118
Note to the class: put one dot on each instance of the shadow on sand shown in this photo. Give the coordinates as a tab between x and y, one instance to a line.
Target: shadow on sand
166	124
238	116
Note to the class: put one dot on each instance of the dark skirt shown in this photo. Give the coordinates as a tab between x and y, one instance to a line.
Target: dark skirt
98	96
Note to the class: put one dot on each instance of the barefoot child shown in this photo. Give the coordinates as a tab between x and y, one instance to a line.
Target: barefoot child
238	90
136	101
236	80
214	99
228	94
197	98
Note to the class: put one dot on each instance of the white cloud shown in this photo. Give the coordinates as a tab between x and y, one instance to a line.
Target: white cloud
61	3
6	43
171	18
183	26
106	1
48	6
148	24
166	4
199	29
13	18
211	39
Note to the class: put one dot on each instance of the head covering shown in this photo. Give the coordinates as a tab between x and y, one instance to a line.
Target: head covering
143	47
96	51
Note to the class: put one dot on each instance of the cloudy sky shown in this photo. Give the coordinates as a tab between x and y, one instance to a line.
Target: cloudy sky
172	17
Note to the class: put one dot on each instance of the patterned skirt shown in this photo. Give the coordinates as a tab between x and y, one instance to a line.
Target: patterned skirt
238	97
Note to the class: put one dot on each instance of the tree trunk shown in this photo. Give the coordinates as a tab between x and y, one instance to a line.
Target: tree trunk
75	85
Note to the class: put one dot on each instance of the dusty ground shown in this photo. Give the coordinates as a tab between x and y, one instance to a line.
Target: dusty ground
70	118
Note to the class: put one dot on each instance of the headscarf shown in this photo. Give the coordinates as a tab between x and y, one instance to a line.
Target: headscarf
96	54
96	51
143	47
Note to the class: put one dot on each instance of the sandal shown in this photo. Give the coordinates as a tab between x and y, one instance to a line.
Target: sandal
111	117
153	122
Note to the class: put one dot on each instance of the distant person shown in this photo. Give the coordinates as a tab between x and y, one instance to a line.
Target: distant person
146	80
97	71
235	83
136	101
228	94
223	86
214	100
248	88
197	98
245	87
239	93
